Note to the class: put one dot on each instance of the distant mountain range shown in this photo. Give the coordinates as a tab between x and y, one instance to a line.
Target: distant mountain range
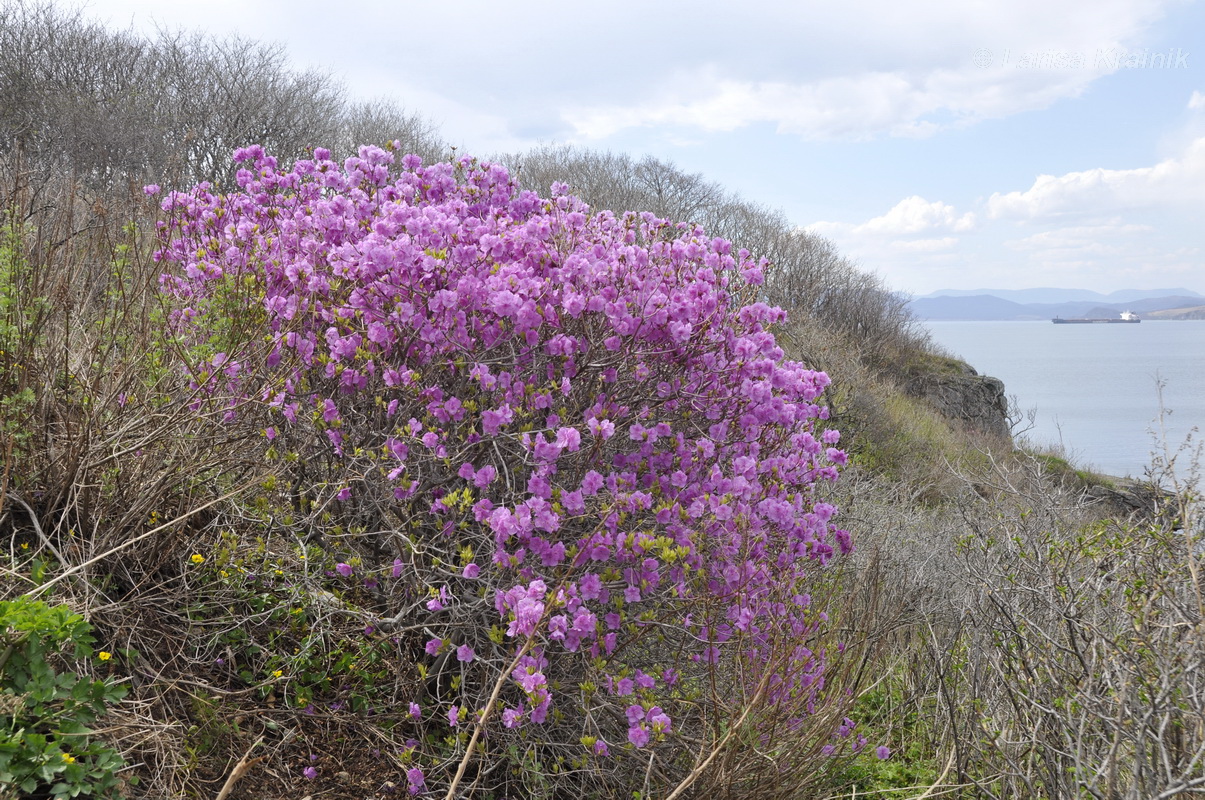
1032	304
1047	295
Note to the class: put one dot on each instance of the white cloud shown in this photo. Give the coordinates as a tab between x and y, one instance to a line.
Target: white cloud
1197	101
843	107
977	64
910	216
925	245
1099	228
916	215
901	103
852	70
1079	236
1173	182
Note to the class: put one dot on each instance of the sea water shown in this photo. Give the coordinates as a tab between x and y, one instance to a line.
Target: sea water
1095	392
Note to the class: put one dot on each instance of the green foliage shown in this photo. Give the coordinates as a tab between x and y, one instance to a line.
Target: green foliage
20	310
903	439
45	741
17	304
925	362
278	603
1061	469
904	720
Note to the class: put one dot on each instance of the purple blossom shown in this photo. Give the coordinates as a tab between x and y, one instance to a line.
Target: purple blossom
569	439
573	502
638	736
528	612
416	779
385	285
590	586
485	476
591	483
601	428
440	599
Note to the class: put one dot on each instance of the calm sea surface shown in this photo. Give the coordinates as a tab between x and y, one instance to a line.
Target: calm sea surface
1094	388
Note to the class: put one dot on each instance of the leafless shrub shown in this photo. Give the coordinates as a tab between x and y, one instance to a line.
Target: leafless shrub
381	121
215	95
71	94
1051	651
104	107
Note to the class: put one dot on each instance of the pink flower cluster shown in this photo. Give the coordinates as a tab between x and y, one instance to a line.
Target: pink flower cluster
581	394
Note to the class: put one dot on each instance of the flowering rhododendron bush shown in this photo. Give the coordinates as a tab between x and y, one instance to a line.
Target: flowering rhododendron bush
571	471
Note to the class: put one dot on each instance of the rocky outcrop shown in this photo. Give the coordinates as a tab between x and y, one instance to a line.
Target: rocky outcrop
1133	499
1180	313
960	393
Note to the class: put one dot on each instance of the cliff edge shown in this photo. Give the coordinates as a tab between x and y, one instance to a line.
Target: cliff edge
961	394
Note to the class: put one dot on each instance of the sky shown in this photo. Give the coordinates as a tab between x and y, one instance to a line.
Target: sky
950	144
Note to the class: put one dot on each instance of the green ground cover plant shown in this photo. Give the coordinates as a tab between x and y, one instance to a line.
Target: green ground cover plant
46	742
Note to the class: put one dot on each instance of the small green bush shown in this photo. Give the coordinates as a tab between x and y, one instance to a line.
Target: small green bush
45	743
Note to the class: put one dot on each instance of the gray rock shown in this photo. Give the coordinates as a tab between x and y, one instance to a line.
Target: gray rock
960	393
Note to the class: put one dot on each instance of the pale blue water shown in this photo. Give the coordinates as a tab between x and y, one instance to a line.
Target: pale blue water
1093	386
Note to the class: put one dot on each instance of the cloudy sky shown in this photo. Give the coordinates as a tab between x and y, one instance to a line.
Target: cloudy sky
946	144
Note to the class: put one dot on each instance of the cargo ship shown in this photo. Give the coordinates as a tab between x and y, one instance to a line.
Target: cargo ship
1126	316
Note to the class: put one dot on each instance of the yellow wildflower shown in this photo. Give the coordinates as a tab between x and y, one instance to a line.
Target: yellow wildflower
104	655
278	673
68	758
197	558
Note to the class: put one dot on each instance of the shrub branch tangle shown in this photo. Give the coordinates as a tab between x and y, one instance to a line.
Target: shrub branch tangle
104	107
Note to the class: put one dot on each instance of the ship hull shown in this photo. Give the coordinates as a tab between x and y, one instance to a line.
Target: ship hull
1058	321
